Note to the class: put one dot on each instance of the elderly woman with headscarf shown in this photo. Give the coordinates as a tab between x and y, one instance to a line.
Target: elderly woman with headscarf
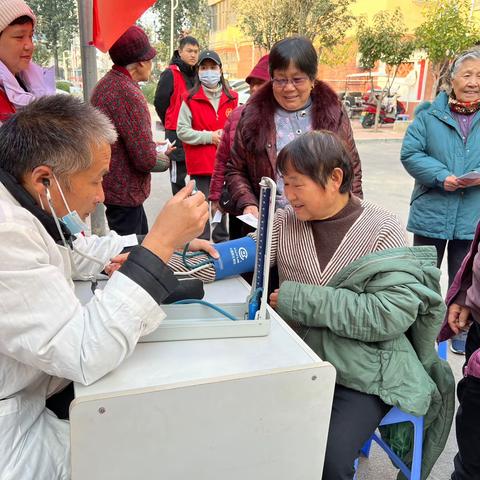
440	147
21	81
292	103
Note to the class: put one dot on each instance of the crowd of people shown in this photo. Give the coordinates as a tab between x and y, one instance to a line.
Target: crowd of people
348	283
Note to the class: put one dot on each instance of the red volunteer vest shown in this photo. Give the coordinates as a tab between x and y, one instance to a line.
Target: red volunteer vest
200	159
179	88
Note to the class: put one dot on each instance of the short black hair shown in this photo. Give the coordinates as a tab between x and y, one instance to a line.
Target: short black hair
188	41
316	154
298	50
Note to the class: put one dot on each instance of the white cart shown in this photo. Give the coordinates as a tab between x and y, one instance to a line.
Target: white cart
222	409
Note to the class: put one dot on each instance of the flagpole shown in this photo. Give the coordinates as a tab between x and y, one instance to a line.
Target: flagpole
89	79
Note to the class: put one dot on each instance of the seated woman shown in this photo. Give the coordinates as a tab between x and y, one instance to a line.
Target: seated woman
361	299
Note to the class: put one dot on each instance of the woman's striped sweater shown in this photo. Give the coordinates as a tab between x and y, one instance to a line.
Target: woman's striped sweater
293	245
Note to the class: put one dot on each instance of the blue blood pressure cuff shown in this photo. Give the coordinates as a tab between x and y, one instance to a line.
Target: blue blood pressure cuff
236	257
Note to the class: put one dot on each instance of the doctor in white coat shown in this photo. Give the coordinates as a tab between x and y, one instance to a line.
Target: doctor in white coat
53	155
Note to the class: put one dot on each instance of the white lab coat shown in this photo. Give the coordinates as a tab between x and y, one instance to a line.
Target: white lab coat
46	335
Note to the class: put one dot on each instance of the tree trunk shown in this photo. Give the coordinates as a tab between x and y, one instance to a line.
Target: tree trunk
377	113
57	65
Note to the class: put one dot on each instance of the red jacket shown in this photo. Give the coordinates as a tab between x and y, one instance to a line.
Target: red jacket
179	88
133	154
6	108
200	159
254	154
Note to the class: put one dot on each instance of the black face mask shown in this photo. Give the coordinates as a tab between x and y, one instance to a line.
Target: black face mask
28	202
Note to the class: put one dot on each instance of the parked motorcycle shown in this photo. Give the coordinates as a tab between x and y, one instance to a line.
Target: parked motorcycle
388	112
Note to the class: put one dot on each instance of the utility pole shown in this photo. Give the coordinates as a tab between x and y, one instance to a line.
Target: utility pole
89	78
173	7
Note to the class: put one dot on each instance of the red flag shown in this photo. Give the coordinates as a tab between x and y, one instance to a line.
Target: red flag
111	18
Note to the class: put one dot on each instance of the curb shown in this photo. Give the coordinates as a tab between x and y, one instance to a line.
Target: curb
382	140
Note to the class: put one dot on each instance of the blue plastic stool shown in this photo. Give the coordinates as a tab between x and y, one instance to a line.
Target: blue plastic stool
397	416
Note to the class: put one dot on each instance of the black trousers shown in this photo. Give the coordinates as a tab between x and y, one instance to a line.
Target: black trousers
178	168
467	422
456	252
355	416
220	231
127	220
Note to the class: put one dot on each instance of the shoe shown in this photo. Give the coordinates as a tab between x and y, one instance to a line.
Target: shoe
457	344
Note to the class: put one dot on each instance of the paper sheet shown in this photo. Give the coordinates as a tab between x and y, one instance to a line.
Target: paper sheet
473	175
249	219
217	218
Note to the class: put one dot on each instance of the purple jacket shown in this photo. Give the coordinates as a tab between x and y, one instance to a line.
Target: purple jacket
462	278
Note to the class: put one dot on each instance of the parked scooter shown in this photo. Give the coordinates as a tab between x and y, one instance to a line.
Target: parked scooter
388	112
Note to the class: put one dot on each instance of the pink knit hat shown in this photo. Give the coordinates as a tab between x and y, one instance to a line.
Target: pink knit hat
10	10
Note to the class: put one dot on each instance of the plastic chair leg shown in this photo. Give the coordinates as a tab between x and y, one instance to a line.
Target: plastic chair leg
366	447
416	469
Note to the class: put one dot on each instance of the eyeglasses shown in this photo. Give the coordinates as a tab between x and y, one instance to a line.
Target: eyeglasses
283	82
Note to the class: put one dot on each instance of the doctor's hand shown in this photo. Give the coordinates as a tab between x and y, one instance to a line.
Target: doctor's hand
274	299
451	184
199	245
458	318
182	219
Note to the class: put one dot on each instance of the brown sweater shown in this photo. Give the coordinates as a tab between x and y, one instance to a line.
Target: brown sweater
328	233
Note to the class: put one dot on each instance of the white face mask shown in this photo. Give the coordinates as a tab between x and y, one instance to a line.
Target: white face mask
209	78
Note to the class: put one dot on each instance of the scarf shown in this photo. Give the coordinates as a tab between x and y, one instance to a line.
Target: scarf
464	108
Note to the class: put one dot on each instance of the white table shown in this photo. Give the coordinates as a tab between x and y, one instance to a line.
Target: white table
226	409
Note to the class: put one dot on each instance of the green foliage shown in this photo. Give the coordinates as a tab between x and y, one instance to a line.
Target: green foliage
57	24
267	21
448	30
148	90
191	17
339	54
384	40
63	85
41	55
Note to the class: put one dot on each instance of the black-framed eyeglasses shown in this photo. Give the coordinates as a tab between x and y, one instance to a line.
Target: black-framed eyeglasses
283	82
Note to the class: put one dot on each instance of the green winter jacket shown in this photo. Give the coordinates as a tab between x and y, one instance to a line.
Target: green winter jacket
376	321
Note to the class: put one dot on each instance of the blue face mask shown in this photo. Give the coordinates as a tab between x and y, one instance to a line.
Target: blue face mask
72	220
209	78
74	223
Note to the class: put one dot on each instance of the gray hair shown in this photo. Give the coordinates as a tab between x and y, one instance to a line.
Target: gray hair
58	131
472	54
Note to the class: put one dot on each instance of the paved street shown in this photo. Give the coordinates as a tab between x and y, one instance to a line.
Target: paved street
385	183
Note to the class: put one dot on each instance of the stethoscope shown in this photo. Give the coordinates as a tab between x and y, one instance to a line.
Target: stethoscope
71	248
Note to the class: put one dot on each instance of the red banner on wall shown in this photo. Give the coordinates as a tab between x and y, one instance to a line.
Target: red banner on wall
111	18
